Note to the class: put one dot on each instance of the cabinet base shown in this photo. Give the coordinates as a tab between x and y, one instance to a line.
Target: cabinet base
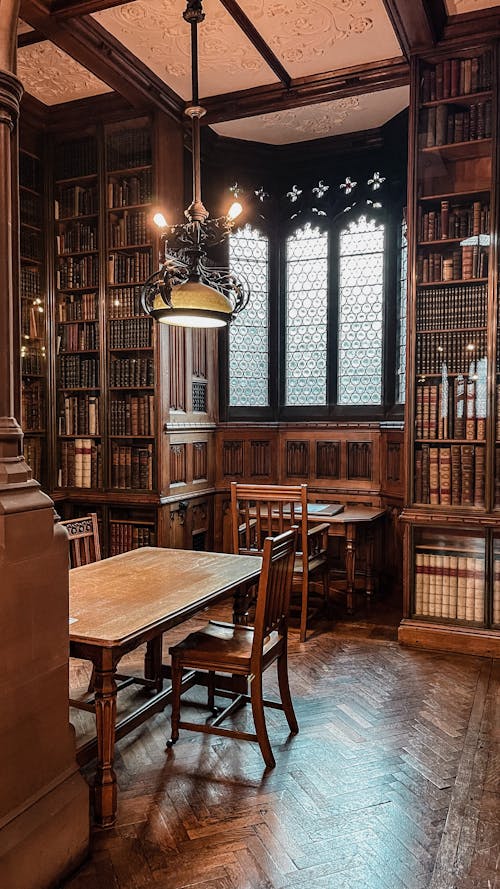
436	637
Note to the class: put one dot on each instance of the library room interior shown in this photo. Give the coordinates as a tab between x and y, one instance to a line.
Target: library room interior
250	444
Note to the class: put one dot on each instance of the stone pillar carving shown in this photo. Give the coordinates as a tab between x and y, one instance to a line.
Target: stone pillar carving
44	808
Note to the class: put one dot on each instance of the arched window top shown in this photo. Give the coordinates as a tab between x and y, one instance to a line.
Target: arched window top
362	235
298	242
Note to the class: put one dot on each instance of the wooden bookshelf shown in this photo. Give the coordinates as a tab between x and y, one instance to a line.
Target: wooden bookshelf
451	424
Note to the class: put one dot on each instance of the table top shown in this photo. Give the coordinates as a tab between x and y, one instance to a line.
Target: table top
114	600
349	515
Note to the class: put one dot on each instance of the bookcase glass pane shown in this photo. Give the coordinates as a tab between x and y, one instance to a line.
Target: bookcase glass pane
249	332
361	297
496	582
306	316
449	581
401	317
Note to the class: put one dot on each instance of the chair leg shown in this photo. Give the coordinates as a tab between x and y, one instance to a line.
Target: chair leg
326	584
303	610
286	698
176	701
211	691
91	686
260	722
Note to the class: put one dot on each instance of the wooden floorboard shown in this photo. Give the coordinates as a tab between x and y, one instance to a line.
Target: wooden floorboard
393	781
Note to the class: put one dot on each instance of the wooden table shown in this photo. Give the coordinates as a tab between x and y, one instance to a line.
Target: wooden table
120	603
349	524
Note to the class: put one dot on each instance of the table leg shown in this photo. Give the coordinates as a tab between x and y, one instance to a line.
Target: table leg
153	662
105	717
369	564
350	565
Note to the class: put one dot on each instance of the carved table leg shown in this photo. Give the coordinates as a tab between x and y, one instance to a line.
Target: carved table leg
105	717
153	662
369	564
350	565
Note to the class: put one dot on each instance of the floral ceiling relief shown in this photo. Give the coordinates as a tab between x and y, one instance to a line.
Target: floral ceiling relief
455	7
313	36
51	76
156	33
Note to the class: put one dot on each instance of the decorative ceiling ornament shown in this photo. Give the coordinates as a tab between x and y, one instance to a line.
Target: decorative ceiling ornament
320	189
188	291
294	193
348	186
53	77
261	194
376	181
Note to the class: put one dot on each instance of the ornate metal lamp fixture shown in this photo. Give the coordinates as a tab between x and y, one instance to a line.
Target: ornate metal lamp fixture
187	291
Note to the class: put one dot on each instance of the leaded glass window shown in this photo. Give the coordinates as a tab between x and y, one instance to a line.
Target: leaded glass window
361	301
306	316
401	318
249	332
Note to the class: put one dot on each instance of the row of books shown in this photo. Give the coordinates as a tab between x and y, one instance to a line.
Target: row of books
129	228
79	415
76	372
33	454
464	263
451	351
29	282
76	200
133	415
130	190
133	333
77	307
29	171
125	536
33	361
77	157
446	125
132	466
128	148
80	464
30	244
131	372
461	305
30	208
454	408
453	222
33	406
81	336
32	323
456	77
450	475
449	585
129	268
125	301
77	237
73	273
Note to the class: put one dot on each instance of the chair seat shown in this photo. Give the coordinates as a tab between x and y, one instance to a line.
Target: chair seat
226	648
315	562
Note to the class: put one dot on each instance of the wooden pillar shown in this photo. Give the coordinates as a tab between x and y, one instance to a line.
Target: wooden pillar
44	809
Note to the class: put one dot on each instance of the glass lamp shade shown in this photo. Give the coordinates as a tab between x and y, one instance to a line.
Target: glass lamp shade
193	304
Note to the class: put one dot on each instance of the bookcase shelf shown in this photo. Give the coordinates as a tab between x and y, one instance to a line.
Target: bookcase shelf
449	523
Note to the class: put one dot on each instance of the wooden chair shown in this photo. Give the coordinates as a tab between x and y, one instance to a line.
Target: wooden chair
245	651
83	534
261	510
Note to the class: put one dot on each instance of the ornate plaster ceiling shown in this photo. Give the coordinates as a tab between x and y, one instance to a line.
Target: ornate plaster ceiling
23	27
318	121
314	36
455	7
51	76
155	32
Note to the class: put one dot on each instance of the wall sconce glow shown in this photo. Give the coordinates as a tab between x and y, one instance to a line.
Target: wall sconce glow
234	211
160	220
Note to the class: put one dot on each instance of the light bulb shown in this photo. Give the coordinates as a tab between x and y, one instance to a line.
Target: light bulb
160	220
234	211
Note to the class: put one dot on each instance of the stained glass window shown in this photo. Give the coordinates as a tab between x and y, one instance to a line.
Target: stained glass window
249	332
401	318
306	316
361	299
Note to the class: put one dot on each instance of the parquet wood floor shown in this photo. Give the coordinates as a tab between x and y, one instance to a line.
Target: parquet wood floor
392	783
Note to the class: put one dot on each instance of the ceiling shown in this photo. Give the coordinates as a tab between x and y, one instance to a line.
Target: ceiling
273	71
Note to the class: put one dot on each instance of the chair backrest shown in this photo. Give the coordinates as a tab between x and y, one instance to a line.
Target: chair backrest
273	596
260	511
83	536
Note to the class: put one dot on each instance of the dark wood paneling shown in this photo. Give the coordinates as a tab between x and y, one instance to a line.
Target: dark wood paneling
328	459
418	24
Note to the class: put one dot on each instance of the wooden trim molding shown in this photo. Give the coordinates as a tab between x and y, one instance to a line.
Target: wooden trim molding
253	35
418	25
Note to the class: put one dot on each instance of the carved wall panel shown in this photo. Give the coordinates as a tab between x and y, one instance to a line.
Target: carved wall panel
328	459
177	366
200	364
232	458
393	461
260	458
200	460
359	459
177	463
297	459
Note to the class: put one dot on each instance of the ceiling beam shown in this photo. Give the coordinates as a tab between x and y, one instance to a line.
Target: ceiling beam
418	24
29	38
65	9
307	91
97	50
255	37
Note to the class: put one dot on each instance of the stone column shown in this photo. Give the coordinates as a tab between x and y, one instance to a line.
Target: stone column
44	804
